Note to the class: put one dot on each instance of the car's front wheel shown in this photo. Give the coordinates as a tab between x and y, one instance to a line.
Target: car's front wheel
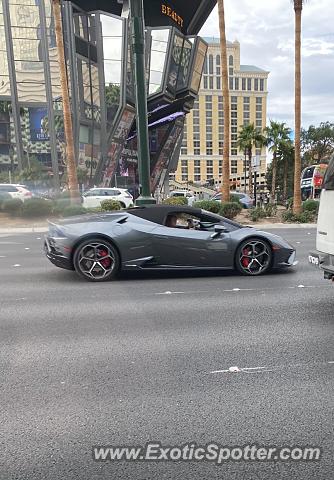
96	260
253	257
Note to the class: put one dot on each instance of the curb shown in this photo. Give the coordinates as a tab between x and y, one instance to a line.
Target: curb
259	226
16	230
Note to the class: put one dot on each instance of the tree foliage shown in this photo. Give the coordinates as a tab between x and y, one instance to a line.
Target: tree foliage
317	143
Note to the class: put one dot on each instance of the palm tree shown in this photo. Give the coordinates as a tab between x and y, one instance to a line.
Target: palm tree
297	199
248	137
277	134
70	156
226	103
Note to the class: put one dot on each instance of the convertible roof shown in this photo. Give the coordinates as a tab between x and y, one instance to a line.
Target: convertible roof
158	213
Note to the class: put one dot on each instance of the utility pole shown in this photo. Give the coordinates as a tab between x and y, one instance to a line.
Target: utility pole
138	55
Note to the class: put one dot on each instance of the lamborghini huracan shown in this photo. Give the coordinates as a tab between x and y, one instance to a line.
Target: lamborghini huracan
99	246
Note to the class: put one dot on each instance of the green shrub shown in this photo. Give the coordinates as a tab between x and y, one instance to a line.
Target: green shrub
72	210
235	198
37	207
110	205
230	209
212	206
4	196
12	207
175	201
270	210
304	217
311	206
256	213
94	210
289	203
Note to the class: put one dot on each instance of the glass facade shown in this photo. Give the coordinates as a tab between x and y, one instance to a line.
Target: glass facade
101	87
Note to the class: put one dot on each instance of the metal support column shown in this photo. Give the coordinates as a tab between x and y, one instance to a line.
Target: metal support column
71	57
49	97
138	52
13	85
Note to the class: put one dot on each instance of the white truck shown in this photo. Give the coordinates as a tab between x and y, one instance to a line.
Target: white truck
323	257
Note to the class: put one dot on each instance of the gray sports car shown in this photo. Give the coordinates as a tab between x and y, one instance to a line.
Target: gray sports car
154	237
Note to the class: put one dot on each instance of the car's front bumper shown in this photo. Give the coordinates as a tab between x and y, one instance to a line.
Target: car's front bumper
55	256
324	261
285	258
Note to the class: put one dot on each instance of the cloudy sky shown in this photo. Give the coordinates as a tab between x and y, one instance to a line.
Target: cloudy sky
265	30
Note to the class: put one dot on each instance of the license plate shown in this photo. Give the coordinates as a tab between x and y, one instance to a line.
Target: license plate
314	260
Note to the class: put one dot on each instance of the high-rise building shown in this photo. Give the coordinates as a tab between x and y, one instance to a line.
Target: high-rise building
201	156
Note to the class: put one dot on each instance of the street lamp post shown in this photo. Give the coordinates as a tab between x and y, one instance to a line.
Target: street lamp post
138	53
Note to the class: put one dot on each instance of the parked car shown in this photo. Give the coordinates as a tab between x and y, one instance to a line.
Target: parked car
184	193
162	237
92	198
244	199
16	191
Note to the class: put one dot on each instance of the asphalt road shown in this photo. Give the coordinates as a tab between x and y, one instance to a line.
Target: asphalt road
126	362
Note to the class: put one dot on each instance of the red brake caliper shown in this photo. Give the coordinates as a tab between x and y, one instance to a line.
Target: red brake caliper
106	261
245	261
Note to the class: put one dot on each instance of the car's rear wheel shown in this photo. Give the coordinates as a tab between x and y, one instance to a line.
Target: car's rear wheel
253	257
122	205
96	260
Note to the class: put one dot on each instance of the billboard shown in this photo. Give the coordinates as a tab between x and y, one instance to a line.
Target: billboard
37	116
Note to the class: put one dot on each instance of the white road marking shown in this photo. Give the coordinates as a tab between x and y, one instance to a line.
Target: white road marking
235	289
2	256
265	369
301	286
27	248
38	238
168	293
16	265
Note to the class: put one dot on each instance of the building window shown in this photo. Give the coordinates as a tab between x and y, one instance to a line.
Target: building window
247	115
246	100
217	59
243	84
258	151
230	60
218	83
261	84
209	136
259	108
234	130
234	114
259	100
234	122
205	68
236	83
220	168
196	128
234	107
210	64
234	170
221	148
211	83
231	83
259	123
234	99
209	121
246	108
196	121
246	122
234	151
259	115
205	82
234	163
230	70
209	169
256	84
196	136
208	114
249	84
221	121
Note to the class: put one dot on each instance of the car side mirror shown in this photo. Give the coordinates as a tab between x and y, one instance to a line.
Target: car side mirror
219	230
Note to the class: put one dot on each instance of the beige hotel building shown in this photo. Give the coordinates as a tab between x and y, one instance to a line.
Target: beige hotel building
202	147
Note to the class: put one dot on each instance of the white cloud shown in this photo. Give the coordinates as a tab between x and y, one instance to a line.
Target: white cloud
265	30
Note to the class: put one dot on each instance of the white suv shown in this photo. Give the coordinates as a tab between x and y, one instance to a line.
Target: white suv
183	193
93	197
15	191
